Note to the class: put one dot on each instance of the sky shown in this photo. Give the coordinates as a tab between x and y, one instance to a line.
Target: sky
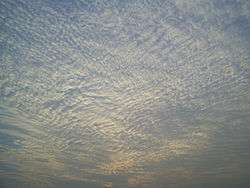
142	93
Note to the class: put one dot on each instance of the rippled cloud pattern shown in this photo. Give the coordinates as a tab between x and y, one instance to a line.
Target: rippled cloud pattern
142	93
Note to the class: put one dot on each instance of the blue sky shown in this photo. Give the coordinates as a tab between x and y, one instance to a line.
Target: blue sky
124	93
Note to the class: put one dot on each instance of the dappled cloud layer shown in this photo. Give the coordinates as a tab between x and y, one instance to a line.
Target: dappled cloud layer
124	93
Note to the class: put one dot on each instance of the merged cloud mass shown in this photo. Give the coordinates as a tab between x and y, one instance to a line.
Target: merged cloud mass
124	93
